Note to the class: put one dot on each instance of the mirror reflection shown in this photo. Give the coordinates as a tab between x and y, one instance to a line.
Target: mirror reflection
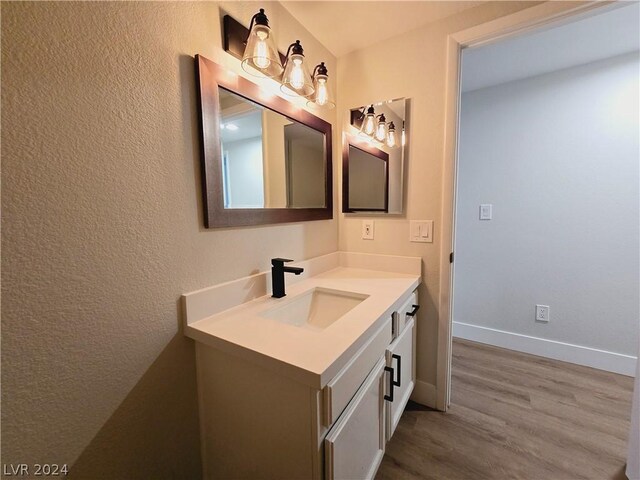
368	183
380	127
268	159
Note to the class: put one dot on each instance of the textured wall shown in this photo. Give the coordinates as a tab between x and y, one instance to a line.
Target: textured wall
411	65
102	230
557	156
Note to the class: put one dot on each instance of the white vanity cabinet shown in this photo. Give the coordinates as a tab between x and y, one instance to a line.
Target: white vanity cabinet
257	422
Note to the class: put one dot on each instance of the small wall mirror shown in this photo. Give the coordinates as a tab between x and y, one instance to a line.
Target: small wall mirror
264	159
375	157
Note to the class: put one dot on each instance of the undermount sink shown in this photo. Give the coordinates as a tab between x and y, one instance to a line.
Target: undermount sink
316	309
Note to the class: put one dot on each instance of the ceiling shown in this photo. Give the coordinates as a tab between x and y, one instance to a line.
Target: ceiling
343	27
615	31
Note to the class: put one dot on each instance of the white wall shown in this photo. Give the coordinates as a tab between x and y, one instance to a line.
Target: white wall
102	229
557	155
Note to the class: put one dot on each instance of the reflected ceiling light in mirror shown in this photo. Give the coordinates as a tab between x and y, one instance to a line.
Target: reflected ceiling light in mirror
322	96
381	128
296	79
260	55
391	136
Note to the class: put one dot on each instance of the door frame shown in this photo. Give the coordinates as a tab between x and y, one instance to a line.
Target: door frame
495	30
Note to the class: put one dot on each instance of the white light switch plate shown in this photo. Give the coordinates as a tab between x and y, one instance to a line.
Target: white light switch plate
486	211
421	231
367	229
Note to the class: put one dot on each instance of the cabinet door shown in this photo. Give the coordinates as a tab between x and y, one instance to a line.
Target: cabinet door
400	356
354	447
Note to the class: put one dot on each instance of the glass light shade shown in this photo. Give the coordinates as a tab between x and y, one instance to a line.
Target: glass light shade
322	96
392	141
381	129
296	79
261	56
368	123
403	140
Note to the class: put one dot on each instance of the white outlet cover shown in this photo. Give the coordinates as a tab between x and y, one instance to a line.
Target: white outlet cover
542	313
367	229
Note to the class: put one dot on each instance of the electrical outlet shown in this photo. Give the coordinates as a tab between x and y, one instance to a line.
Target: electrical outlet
367	229
542	313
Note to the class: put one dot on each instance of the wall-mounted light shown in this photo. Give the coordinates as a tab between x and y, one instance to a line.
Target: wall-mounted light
322	96
391	136
368	123
403	137
256	48
260	55
296	79
381	128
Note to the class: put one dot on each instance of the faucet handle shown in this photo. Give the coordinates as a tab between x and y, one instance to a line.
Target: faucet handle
279	262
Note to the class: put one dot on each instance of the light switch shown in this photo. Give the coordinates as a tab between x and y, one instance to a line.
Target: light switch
486	211
367	229
421	231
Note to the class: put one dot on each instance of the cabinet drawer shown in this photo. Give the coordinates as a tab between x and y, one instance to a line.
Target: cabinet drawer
400	356
344	385
355	445
405	313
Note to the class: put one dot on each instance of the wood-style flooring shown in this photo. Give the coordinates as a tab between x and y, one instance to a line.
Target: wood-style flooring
516	416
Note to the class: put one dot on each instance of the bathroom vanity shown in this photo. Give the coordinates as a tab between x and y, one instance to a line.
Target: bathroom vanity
311	385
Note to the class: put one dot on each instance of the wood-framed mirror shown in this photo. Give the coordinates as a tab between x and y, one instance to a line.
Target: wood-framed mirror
365	177
264	160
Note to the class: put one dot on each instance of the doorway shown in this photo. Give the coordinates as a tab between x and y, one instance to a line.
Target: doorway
479	37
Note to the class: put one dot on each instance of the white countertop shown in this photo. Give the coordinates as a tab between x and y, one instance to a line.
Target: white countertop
309	356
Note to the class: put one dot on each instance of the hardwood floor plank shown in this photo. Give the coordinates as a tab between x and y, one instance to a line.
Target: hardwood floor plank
515	416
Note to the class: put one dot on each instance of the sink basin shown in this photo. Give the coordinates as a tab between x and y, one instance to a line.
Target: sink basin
316	309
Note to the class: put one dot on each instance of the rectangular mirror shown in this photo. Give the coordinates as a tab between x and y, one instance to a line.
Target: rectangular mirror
265	160
375	158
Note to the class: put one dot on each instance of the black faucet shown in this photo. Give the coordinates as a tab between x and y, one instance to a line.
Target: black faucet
277	275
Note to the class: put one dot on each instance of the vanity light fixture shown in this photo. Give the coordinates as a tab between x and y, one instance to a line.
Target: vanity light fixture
403	137
391	136
322	96
381	128
368	123
260	55
296	79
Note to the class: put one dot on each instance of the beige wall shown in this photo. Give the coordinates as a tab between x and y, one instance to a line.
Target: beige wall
411	65
102	230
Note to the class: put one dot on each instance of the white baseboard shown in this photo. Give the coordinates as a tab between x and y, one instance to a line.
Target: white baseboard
424	393
566	352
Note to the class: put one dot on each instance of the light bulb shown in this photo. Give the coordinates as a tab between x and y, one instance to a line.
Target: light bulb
322	94
297	75
369	125
261	51
381	131
391	137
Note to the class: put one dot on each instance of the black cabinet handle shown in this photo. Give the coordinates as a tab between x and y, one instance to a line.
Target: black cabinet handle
413	312
389	397
398	358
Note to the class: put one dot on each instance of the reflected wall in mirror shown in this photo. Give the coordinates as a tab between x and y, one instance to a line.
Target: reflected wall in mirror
268	160
264	159
357	177
366	179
